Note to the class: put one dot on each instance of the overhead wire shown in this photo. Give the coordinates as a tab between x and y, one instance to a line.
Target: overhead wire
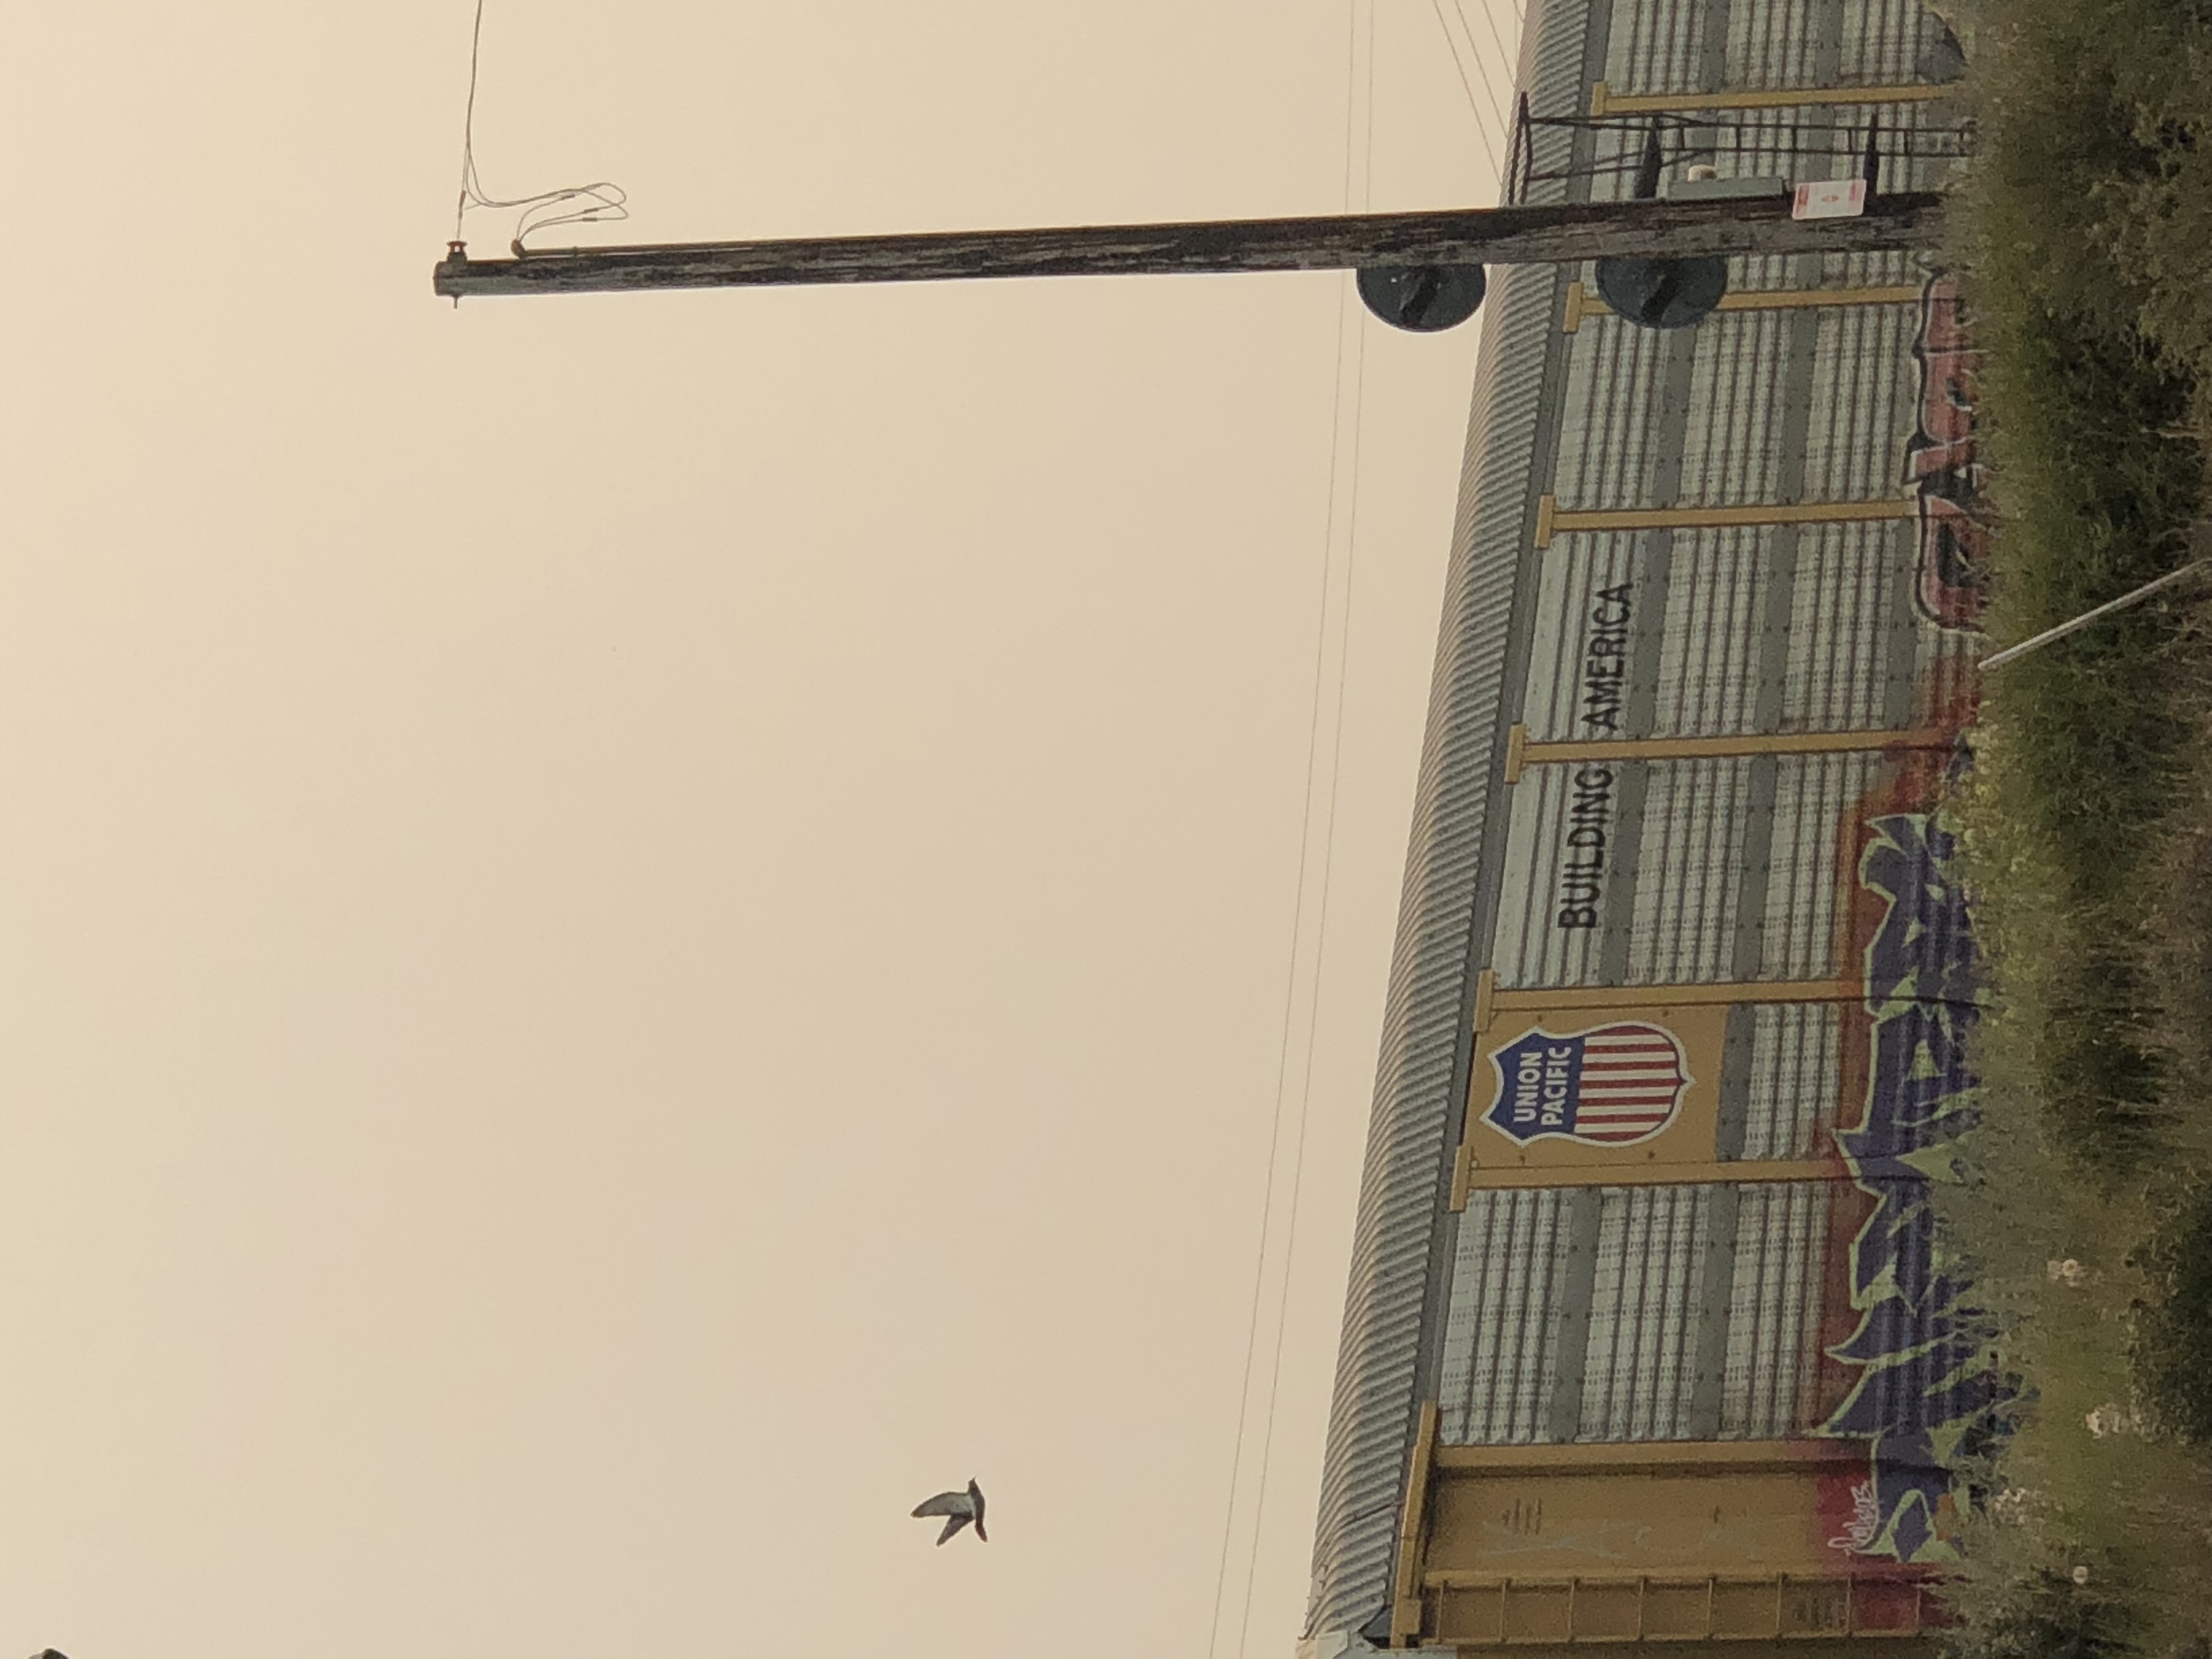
1350	464
1504	52
1337	451
600	202
1474	51
1320	957
1481	129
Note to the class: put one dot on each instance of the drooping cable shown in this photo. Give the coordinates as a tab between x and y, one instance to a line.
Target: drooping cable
594	203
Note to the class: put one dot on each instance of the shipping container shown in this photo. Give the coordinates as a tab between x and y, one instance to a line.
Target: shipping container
1647	1337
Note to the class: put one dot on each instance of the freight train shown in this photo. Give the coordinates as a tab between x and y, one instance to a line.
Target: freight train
1648	1337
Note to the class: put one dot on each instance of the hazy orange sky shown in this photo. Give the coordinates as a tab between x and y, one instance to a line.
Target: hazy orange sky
634	931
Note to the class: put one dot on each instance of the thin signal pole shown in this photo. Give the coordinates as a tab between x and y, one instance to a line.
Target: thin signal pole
2013	652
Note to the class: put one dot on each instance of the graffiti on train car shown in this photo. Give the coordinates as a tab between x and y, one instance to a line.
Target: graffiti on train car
1926	1372
1942	463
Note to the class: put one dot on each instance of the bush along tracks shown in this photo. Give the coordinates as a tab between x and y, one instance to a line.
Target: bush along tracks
2083	245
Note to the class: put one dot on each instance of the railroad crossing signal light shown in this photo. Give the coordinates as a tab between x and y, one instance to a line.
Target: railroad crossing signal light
1422	299
1662	293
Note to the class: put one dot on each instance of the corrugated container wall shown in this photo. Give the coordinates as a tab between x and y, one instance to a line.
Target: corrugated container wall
1646	1336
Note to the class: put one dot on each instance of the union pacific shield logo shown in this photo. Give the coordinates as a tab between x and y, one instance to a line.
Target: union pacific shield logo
1610	1086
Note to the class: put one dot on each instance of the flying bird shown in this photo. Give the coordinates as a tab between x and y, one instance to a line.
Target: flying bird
958	1508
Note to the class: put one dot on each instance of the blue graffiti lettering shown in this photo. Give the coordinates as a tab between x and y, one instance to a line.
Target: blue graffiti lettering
1923	1350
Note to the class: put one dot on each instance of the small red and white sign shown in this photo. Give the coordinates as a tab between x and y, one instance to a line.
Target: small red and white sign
1830	199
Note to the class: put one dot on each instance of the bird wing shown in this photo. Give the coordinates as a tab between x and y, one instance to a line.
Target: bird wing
945	1503
954	1526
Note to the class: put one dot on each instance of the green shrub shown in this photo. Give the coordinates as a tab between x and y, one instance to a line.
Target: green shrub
2172	1344
2084	242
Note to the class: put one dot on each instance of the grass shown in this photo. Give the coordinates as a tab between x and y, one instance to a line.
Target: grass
2085	248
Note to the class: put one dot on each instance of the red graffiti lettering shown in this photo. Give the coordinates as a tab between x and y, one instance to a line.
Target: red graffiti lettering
1941	463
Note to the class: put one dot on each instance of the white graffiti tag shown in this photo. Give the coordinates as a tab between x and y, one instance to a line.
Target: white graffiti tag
1865	1523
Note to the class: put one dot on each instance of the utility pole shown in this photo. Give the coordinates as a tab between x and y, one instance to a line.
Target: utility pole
1411	260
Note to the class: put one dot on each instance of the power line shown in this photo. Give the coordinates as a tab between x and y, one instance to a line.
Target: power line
600	202
1320	957
1504	52
1368	143
1283	1059
1481	130
1352	103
